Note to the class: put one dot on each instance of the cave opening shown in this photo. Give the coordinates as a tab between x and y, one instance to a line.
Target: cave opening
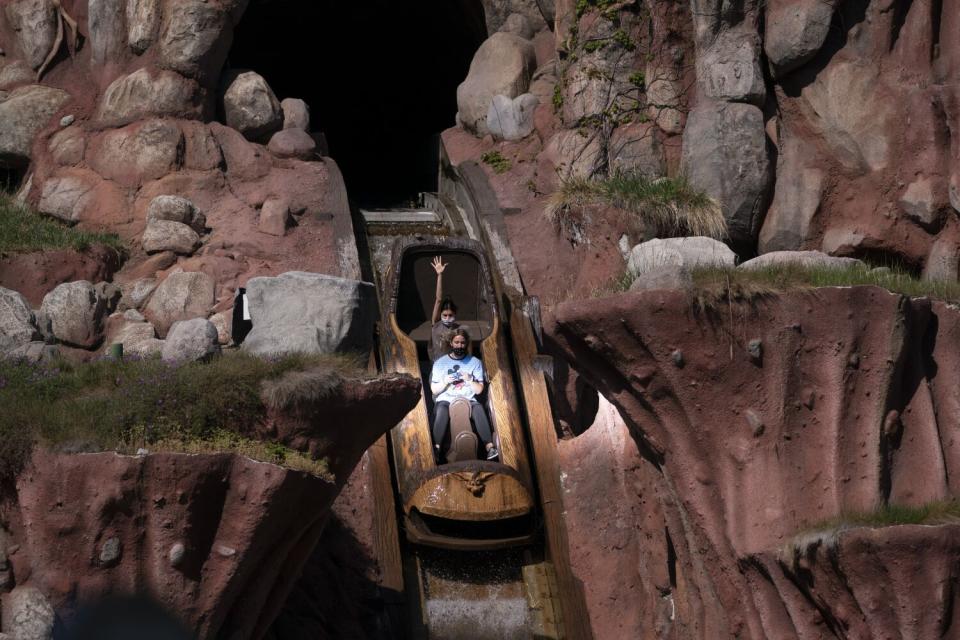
380	79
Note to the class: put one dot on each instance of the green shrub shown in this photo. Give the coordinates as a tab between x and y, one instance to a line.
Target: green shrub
667	206
497	162
124	405
22	230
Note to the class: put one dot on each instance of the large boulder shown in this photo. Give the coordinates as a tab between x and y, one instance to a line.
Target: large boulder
679	253
274	216
36	351
191	340
296	114
730	68
725	155
142	94
195	37
23	114
943	261
139	153
311	313
292	143
181	296
250	106
794	30
16	321
166	235
498	13
176	209
926	200
67	196
138	339
635	148
511	119
34	24
800	258
574	154
67	146
107	30
519	25
847	104
598	81
796	197
16	73
503	65
665	97
27	614
76	313
143	20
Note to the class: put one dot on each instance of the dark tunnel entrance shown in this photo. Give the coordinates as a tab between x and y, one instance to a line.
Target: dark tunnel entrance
380	78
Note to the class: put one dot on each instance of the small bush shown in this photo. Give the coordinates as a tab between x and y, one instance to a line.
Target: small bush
124	405
666	206
497	162
22	230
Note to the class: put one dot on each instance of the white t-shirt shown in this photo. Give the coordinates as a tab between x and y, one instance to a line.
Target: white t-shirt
445	365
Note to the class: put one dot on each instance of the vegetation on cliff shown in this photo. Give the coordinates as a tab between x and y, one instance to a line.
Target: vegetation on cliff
666	207
23	230
162	406
713	285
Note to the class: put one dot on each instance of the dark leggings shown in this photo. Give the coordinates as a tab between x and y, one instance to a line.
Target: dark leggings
441	422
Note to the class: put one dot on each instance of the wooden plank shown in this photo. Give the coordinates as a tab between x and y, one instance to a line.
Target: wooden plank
543	439
503	400
386	540
412	448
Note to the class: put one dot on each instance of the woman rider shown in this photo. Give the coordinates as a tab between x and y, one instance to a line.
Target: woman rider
459	375
444	316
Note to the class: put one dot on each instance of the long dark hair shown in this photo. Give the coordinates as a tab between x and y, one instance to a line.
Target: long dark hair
448	303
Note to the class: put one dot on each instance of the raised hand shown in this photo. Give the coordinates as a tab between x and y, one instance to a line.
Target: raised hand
438	265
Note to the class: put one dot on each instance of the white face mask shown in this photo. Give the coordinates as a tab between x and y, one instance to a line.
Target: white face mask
448	321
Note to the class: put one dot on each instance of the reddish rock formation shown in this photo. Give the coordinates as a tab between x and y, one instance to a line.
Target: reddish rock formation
748	424
218	539
36	274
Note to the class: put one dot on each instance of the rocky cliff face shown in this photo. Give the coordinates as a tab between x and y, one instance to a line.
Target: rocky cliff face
742	428
218	539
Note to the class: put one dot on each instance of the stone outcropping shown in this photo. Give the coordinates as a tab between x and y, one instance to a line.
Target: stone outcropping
503	65
743	428
218	539
309	313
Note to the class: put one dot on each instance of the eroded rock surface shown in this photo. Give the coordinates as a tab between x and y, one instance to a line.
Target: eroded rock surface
740	432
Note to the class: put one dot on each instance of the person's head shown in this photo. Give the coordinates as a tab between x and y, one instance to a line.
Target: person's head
459	341
448	312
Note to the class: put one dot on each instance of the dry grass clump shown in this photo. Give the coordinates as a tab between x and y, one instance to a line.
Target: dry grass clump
123	405
931	513
222	441
667	207
296	388
22	230
713	286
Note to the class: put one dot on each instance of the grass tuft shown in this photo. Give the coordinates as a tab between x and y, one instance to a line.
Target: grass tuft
108	405
668	207
22	230
938	512
713	286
